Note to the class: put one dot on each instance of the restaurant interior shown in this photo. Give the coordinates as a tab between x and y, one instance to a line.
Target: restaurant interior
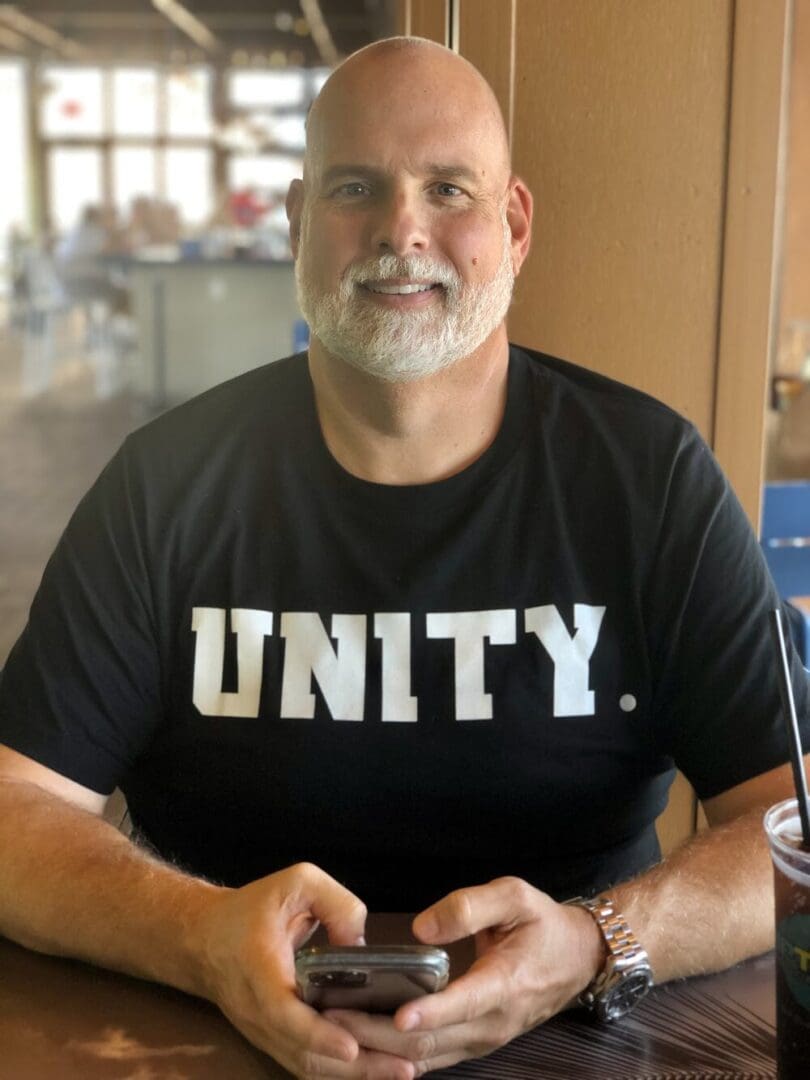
147	149
147	146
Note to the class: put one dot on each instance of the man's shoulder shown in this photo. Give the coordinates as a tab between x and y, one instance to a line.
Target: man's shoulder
583	400
266	393
585	384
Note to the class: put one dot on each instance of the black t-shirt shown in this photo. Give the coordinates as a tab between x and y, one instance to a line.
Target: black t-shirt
416	687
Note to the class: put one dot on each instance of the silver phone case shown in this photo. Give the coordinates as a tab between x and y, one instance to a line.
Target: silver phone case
369	978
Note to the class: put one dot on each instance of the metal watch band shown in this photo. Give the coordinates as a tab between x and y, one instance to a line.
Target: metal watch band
619	938
626	976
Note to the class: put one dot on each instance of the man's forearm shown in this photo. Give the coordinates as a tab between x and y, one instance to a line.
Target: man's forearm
72	885
709	905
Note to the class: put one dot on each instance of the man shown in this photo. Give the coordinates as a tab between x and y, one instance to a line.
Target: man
478	601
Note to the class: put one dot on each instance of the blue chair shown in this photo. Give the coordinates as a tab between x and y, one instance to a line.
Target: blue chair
786	544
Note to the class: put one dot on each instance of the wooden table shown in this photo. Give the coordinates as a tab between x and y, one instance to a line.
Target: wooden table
62	1020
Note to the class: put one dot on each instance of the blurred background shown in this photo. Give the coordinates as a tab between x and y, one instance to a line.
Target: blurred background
146	147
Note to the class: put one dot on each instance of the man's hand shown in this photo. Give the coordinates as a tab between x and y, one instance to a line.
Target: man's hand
533	957
248	941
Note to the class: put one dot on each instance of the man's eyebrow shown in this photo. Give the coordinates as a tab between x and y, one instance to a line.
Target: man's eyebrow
434	170
337	172
453	172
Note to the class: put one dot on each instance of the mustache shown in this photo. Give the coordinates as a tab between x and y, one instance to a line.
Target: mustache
415	267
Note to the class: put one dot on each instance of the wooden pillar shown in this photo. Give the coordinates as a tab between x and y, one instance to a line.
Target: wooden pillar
220	111
795	285
751	244
426	18
35	148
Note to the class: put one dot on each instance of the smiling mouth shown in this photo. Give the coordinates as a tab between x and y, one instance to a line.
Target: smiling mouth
391	289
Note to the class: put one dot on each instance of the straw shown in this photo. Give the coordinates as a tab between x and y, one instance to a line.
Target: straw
791	722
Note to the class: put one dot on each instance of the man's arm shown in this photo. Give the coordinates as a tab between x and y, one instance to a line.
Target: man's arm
707	907
72	885
54	844
710	904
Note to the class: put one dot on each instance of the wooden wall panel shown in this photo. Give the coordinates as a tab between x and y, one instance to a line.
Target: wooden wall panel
620	113
758	102
489	44
795	285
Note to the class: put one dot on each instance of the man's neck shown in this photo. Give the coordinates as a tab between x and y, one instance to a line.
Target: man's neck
411	432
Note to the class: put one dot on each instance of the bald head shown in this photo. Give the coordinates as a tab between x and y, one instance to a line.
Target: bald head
399	73
408	227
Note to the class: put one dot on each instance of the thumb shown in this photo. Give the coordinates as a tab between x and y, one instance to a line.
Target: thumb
506	902
443	922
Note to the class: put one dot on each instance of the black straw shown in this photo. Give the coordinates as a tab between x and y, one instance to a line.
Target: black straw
791	722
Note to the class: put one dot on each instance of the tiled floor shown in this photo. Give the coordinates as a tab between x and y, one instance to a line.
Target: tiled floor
53	443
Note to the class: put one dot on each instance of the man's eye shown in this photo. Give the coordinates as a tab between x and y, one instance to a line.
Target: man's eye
448	190
353	190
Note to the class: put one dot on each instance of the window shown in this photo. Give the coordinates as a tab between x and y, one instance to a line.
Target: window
148	131
71	102
319	77
134	174
288	131
13	174
267	172
135	101
189	104
267	89
74	175
188	183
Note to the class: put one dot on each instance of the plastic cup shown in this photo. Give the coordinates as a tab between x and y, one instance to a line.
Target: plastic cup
791	875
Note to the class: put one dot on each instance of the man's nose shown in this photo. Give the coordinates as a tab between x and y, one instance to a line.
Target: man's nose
400	226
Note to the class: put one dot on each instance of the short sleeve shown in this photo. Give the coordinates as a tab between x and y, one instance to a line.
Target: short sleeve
717	706
81	689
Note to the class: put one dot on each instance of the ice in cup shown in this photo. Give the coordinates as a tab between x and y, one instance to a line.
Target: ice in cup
791	872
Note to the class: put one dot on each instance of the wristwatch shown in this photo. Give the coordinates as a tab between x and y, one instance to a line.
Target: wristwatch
627	976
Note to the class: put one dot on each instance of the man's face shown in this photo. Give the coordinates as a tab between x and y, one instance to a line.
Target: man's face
405	254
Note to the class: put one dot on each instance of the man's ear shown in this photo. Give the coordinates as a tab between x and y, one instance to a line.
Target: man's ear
519	211
294	206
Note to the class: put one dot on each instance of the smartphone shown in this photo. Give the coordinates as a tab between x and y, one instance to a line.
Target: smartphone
368	977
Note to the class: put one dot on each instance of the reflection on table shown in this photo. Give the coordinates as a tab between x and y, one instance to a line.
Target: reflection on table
67	1021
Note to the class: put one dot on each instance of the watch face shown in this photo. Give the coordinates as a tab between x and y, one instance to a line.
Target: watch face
621	999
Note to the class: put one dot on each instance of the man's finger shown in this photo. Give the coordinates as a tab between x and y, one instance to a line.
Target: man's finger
444	1061
298	1025
483	989
504	902
373	1031
423	1046
341	912
369	1063
377	1033
368	1066
374	1066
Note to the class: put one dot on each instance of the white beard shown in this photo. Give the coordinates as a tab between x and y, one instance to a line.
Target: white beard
400	346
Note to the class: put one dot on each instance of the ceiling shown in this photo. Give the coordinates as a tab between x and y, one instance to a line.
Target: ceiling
258	32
